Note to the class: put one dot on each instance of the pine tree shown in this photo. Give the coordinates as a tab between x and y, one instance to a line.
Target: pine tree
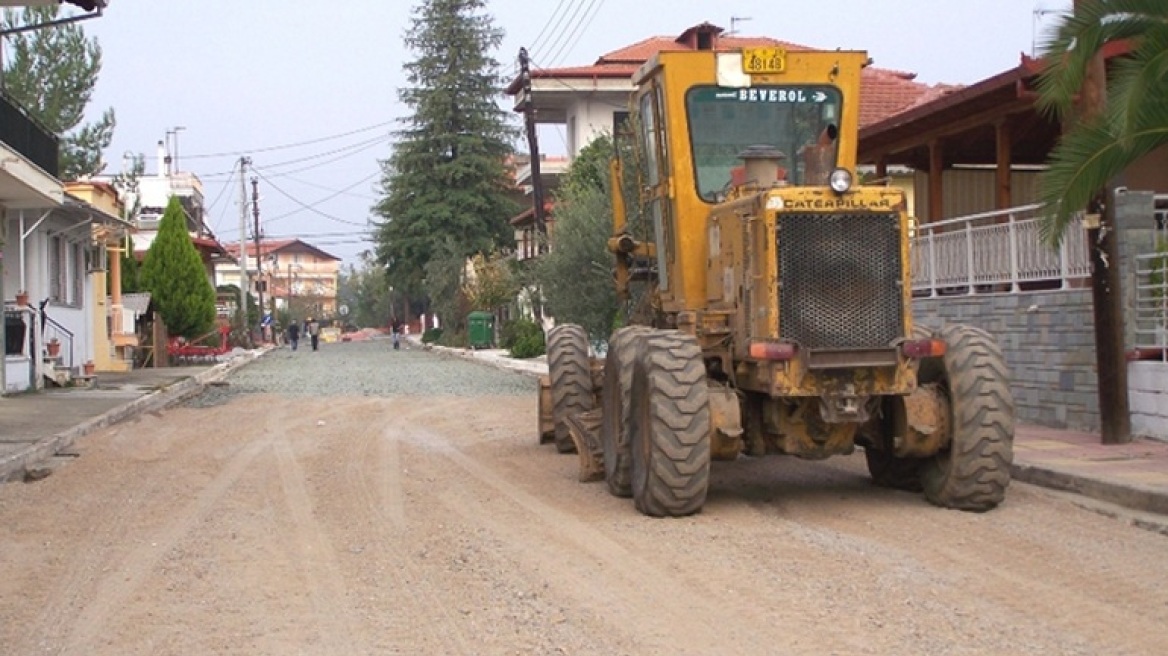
51	72
174	274
446	178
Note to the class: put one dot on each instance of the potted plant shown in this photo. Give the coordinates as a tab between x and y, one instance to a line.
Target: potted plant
22	298
54	347
89	367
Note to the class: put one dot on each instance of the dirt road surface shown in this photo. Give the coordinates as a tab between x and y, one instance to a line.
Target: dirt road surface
428	521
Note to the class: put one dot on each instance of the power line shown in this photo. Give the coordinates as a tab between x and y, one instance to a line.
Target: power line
579	31
326	198
558	45
304	205
307	183
211	207
347	151
536	43
309	142
324	163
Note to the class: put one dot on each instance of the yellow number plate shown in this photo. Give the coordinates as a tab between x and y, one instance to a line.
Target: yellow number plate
764	60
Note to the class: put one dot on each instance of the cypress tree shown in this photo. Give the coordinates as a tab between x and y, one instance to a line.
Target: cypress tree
174	274
447	177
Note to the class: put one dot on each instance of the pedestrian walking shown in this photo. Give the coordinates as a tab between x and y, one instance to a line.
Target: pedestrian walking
294	334
312	327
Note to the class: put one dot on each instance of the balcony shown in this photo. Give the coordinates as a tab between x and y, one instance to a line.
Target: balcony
26	136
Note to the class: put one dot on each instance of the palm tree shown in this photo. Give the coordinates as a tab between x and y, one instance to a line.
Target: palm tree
1098	148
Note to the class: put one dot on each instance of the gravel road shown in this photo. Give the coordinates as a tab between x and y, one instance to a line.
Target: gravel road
359	500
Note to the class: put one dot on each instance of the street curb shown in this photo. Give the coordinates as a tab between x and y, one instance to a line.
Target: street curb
45	448
1128	495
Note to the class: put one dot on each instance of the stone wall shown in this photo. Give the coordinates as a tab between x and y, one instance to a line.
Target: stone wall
1049	344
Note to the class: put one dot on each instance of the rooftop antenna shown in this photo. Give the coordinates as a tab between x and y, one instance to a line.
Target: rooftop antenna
734	21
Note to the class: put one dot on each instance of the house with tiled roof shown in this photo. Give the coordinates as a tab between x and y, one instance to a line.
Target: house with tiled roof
294	276
589	101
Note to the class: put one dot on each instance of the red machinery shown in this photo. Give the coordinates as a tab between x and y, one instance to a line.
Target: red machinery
196	350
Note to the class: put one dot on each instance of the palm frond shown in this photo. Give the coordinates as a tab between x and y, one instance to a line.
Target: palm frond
1069	53
1082	163
1139	84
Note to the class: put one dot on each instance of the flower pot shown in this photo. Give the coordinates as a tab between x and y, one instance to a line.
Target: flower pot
54	348
89	368
22	298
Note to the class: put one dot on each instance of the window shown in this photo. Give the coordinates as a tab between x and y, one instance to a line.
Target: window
66	271
800	121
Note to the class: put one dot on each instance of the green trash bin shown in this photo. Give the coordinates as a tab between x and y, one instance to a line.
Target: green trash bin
481	329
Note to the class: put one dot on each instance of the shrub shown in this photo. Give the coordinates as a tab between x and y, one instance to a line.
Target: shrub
431	335
529	346
513	331
454	339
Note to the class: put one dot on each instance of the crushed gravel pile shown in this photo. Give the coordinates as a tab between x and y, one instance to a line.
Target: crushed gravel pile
365	368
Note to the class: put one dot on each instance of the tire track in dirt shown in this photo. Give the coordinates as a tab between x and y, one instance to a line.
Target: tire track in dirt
87	568
376	471
115	590
577	552
318	562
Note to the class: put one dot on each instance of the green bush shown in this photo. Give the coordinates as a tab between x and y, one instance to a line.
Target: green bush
515	330
529	346
431	335
454	339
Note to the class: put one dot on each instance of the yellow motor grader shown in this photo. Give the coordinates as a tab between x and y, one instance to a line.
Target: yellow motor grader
775	313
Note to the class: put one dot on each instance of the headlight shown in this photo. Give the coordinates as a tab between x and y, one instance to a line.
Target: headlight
840	180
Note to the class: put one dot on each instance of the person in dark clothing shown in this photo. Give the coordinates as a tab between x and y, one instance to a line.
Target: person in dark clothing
313	329
294	334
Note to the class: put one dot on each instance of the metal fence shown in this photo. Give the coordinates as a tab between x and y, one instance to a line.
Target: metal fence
995	252
1151	311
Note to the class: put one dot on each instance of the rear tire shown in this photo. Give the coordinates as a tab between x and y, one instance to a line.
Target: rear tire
617	405
670	426
974	472
571	379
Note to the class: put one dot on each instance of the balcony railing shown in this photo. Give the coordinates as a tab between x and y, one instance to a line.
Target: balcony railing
26	136
998	251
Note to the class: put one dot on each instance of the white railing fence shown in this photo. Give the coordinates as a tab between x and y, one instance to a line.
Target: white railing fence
1151	311
998	251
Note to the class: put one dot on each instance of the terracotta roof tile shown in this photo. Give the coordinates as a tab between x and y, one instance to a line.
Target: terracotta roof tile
883	92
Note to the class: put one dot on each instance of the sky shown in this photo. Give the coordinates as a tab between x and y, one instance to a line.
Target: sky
308	90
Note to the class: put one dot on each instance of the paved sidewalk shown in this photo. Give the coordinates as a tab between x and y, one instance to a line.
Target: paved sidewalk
1132	475
35	426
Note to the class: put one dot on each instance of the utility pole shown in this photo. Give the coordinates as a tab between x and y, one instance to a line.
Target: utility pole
244	279
255	212
1106	298
533	148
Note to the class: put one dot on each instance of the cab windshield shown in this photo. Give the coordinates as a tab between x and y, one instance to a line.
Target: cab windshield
800	121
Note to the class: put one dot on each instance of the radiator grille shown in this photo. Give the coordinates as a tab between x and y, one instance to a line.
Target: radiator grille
840	280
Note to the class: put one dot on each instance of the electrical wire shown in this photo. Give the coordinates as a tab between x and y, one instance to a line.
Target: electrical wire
306	206
307	183
326	198
347	151
309	142
222	190
578	31
564	34
536	43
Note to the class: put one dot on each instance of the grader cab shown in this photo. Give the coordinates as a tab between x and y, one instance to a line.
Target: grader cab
771	302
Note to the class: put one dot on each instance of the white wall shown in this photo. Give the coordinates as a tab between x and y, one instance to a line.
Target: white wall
1148	396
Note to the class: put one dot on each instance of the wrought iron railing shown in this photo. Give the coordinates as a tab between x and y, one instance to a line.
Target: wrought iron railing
999	251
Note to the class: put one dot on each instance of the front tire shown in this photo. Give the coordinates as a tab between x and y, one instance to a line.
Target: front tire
571	379
974	472
670	426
